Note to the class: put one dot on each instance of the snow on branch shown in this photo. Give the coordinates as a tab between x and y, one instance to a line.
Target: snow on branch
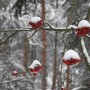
85	50
45	26
88	36
72	26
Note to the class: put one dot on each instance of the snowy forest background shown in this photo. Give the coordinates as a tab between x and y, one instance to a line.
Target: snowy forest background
17	50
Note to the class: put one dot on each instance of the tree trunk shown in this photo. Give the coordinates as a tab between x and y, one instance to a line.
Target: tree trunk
55	64
26	48
55	58
43	33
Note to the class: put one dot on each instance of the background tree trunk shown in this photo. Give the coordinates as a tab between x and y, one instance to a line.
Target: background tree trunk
55	57
55	64
26	48
43	33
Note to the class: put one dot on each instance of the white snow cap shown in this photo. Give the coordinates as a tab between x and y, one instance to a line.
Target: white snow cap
35	62
83	23
14	71
35	19
71	54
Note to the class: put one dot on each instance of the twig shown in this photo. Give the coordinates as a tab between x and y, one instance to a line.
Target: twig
19	78
5	74
8	38
33	34
48	24
30	29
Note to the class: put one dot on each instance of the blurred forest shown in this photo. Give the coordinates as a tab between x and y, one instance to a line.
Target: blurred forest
18	50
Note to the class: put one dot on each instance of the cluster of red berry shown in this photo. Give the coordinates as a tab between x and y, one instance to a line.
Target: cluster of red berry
82	31
34	68
36	22
71	61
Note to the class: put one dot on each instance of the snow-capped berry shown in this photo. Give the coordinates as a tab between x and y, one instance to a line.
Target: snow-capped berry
71	57
36	22
83	28
14	73
35	67
35	63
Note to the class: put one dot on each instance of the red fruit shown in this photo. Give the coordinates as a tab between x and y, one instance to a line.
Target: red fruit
82	31
36	25
71	61
35	74
14	73
31	69
37	68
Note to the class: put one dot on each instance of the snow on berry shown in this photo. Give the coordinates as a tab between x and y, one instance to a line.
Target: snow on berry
83	28
83	23
36	22
71	57
35	67
35	62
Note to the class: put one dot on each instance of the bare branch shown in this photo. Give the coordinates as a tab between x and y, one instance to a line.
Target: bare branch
33	34
8	38
51	28
5	75
16	79
30	29
48	24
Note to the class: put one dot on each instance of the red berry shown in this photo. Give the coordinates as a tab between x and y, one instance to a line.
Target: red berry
14	73
35	74
36	24
82	31
71	61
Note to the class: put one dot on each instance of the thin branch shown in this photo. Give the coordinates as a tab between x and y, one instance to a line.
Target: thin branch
48	24
8	38
33	34
30	29
16	79
12	30
5	75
